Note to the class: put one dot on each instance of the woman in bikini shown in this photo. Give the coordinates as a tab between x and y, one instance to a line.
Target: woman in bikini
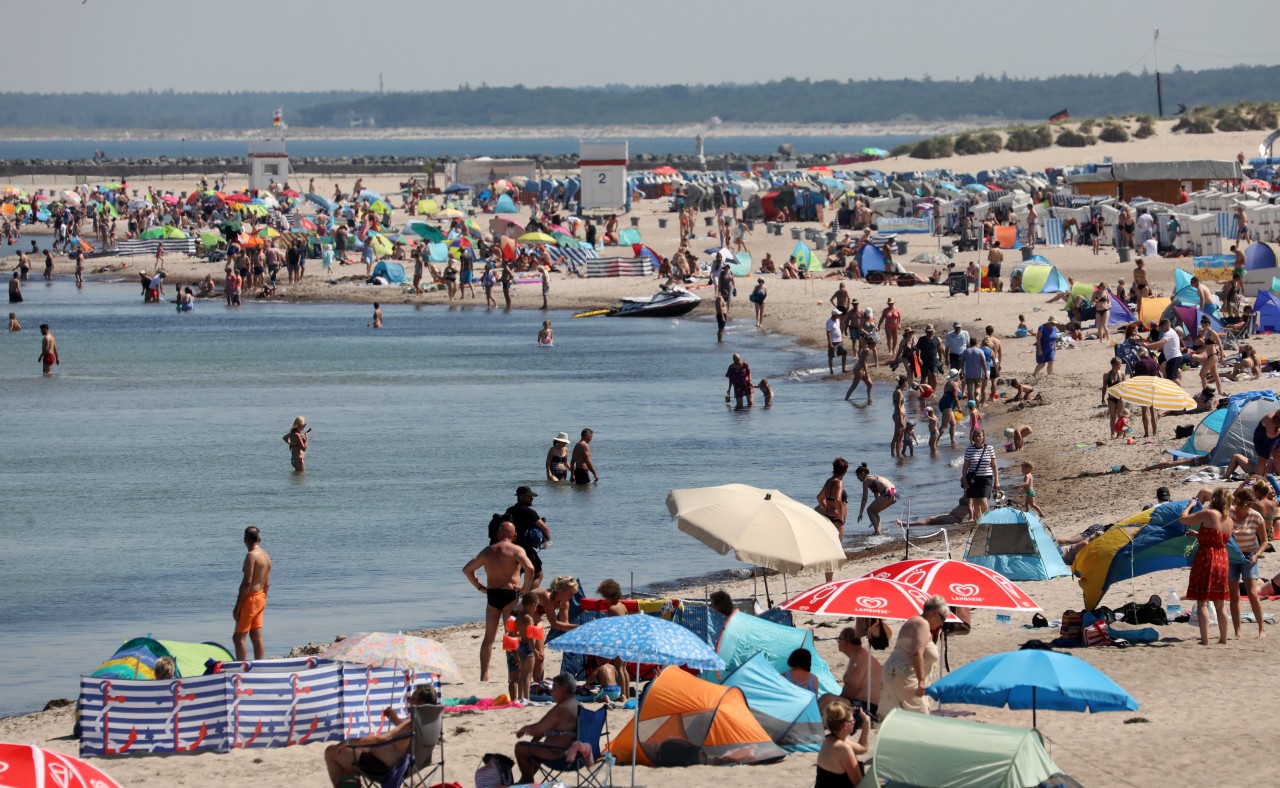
833	499
1212	354
1115	408
948	404
881	489
899	416
558	459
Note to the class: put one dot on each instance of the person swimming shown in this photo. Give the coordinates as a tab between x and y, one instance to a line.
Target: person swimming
546	337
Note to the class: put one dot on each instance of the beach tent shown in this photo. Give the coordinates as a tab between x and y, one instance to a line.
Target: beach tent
1043	279
684	720
628	236
1151	308
1146	542
745	635
1204	437
1017	545
741	265
919	749
1189	317
1121	314
1244	411
392	272
870	259
1007	237
1267	307
1259	255
136	659
505	204
806	260
789	714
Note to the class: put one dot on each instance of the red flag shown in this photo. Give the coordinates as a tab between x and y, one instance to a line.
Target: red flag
1057	116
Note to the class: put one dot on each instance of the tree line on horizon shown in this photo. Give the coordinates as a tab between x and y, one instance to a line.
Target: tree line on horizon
788	101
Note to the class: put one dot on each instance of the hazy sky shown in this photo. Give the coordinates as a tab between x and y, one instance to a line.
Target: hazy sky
120	45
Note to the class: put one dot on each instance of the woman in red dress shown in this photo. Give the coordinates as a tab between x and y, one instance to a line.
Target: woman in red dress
1212	527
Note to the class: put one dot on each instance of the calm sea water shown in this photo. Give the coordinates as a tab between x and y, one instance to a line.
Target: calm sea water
128	477
496	146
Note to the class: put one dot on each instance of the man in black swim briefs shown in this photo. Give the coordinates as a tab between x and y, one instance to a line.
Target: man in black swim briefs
580	463
502	562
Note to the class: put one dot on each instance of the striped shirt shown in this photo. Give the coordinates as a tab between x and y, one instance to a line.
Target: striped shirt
1246	533
980	460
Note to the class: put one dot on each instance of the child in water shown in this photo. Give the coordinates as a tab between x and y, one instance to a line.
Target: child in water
909	439
975	415
377	317
766	391
546	336
934	433
1028	485
14	325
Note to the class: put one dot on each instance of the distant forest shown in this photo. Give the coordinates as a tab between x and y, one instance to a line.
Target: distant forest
785	101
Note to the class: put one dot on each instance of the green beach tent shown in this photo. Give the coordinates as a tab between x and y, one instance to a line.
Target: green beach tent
806	260
1042	278
919	749
136	659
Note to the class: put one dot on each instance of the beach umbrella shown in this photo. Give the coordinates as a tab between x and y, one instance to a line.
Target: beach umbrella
381	246
170	199
636	639
289	193
879	153
564	240
761	527
664	171
12	191
503	186
8	209
268	232
29	766
457	188
378	206
210	240
306	223
136	204
460	242
536	238
425	231
1152	392
71	198
378	649
368	194
821	169
960	583
499	224
237	198
862	597
1032	679
450	213
320	202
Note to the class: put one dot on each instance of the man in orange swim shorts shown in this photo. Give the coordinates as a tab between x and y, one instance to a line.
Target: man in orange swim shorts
252	599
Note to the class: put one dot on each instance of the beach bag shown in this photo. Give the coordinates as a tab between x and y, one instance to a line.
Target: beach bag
496	771
756	297
1072	623
1096	634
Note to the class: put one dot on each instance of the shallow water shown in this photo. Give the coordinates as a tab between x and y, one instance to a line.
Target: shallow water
128	477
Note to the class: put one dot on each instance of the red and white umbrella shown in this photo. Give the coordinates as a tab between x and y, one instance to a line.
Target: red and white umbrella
865	597
28	766
960	583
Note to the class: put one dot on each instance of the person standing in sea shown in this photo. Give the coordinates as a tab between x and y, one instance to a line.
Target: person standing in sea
297	442
531	529
48	350
739	375
581	465
722	316
15	289
251	600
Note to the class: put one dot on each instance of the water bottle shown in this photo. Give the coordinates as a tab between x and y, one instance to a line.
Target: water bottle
1172	604
1003	618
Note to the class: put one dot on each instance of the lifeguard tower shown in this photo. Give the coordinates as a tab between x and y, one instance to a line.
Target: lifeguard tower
268	161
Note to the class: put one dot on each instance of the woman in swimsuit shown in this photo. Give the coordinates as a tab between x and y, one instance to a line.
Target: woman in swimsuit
1115	408
833	499
1101	311
881	489
1212	354
558	459
948	403
451	279
838	759
899	416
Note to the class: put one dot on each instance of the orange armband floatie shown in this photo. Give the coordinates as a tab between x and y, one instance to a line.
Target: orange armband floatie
510	625
536	633
510	643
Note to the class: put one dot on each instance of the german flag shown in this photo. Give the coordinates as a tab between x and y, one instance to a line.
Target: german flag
1059	115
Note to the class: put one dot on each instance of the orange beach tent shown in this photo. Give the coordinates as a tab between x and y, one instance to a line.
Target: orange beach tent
685	720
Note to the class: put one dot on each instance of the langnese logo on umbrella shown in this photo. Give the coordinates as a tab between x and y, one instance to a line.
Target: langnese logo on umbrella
873	602
914	577
60	774
965	590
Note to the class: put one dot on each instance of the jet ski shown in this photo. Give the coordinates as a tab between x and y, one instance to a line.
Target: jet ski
668	302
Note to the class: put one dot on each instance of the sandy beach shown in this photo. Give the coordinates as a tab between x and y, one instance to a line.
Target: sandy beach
1199	706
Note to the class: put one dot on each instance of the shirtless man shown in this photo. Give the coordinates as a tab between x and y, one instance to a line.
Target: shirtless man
1206	297
48	349
580	464
297	440
954	517
856	680
503	561
252	598
841	300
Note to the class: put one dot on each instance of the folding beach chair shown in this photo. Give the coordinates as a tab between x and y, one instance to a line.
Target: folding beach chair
592	726
418	765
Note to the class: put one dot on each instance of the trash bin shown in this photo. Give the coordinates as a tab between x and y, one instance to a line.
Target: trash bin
710	220
957	282
635	221
795	233
777	229
949	250
1028	252
1124	253
662	223
902	248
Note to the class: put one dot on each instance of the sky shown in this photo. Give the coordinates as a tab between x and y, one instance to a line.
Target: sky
288	45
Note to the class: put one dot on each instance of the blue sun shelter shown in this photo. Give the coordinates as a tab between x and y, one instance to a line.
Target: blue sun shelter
1244	411
789	714
1017	545
745	635
505	204
393	273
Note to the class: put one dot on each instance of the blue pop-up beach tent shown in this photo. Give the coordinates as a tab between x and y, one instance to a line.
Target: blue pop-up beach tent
505	204
746	635
789	714
392	272
1017	545
1266	306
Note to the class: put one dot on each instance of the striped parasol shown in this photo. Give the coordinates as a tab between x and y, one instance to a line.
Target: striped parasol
392	648
1152	392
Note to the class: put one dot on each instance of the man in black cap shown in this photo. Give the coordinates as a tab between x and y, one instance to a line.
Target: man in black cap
531	530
